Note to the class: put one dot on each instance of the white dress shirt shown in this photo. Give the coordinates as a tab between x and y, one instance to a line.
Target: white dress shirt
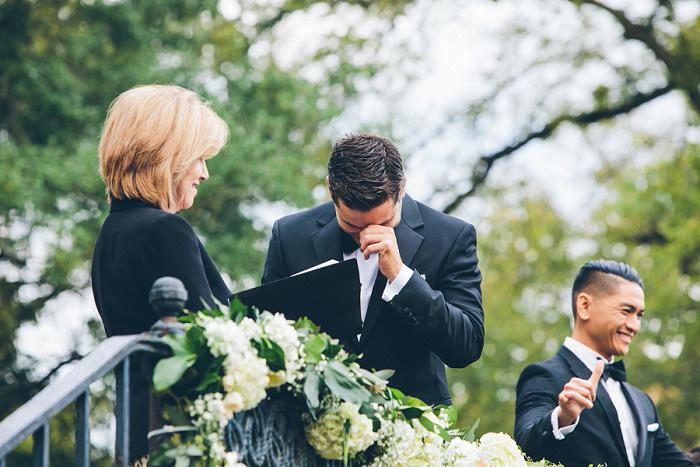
589	357
368	275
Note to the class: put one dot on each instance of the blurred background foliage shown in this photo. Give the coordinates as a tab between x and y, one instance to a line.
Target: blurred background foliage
63	61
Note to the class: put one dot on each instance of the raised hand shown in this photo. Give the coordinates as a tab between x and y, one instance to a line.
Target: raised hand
382	240
578	394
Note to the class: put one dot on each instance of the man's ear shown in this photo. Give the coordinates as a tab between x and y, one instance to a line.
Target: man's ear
583	306
328	189
403	188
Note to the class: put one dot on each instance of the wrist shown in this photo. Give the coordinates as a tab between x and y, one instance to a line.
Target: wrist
564	420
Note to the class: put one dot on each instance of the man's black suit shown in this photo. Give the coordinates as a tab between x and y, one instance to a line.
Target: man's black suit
597	439
138	244
437	317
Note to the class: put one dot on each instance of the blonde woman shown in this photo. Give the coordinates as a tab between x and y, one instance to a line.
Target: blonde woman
153	152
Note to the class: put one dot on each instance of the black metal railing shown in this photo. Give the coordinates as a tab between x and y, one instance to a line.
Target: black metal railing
269	435
32	419
167	297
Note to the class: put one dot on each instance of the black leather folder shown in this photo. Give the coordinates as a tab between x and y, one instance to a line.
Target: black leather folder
329	296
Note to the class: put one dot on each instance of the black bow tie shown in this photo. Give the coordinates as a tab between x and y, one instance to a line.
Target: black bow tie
615	371
348	244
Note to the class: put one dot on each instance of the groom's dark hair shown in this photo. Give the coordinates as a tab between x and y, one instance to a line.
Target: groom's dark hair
364	171
598	276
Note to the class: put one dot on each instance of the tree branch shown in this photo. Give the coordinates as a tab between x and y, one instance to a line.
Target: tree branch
485	163
639	32
74	356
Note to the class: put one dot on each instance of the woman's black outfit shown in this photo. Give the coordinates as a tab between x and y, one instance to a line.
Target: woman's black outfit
138	244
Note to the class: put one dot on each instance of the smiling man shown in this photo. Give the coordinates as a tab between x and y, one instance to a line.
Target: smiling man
420	298
577	408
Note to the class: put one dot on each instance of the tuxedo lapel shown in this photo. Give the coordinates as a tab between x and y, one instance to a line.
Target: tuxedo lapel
327	240
408	241
407	238
636	405
580	370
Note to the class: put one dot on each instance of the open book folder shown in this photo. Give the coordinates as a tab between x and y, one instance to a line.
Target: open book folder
327	294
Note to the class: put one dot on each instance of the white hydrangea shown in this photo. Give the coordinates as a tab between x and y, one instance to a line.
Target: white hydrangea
500	449
460	453
208	412
398	442
231	460
280	330
224	336
246	376
250	328
326	434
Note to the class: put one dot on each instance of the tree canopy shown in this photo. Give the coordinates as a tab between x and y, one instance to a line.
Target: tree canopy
63	61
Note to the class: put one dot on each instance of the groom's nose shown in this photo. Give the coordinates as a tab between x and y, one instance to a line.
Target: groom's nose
633	322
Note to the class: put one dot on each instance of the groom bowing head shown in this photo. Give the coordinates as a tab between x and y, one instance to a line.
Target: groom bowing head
367	184
577	408
420	297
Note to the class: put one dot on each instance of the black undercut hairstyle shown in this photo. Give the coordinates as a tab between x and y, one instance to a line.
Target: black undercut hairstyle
602	276
364	171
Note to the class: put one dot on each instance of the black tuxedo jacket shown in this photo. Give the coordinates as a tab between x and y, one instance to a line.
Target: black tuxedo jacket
597	439
138	244
436	319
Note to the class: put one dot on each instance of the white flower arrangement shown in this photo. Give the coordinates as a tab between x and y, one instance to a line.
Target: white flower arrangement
326	435
227	360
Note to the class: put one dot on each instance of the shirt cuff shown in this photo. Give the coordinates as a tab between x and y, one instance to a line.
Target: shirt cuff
560	433
392	289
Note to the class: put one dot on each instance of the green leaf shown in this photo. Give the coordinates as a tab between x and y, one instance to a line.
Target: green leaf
396	394
271	352
305	324
178	344
413	402
168	371
237	310
369	412
471	434
312	387
332	350
314	347
450	411
342	384
182	461
411	412
384	374
435	428
208	378
346	432
194	451
196	339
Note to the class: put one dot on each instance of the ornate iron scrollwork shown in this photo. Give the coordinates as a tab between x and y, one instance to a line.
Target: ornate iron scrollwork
272	435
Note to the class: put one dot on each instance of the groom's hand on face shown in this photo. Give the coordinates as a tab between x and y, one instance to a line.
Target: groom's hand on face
382	240
578	394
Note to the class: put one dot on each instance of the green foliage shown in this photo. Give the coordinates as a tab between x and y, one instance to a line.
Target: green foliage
654	225
344	385
61	64
529	258
527	269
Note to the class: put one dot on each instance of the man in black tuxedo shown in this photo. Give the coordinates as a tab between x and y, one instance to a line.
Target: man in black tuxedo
420	297
576	408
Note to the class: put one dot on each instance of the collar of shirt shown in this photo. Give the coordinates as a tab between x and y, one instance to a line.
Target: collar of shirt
588	356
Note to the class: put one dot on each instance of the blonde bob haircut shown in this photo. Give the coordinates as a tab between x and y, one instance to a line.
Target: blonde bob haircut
151	137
